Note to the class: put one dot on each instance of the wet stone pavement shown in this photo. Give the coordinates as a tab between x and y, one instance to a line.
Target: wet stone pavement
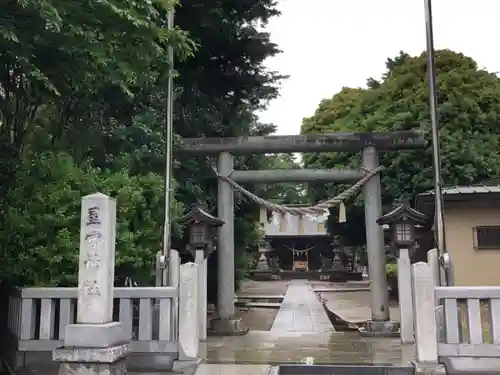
261	347
302	332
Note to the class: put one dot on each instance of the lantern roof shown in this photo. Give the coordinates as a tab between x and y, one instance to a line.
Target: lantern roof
402	213
198	213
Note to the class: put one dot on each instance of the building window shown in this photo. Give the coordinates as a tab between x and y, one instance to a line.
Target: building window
487	237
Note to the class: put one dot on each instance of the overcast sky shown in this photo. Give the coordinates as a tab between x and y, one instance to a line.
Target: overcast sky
328	44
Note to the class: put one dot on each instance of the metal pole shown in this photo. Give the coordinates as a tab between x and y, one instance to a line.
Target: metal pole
438	196
168	156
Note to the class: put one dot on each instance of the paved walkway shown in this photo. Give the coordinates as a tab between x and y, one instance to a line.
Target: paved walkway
301	311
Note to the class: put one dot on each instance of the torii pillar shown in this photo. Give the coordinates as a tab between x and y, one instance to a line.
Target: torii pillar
225	248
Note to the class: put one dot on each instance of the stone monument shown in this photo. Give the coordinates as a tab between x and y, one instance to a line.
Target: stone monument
95	344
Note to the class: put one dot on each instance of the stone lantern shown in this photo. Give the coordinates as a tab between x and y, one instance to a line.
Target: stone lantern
202	229
402	221
338	252
264	248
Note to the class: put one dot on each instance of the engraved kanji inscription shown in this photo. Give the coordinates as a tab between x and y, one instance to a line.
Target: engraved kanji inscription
93	215
91	288
93	239
93	260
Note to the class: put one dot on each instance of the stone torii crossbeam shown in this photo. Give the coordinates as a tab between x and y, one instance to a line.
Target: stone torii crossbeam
368	143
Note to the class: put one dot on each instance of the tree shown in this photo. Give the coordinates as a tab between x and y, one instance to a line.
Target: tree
94	80
287	192
220	89
39	238
55	56
469	107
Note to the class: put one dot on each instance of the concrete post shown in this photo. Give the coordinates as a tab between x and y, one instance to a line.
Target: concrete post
174	277
425	317
95	344
225	248
405	297
428	324
158	269
174	267
201	262
189	343
375	241
433	261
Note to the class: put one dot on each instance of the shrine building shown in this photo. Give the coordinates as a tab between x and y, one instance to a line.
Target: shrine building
299	243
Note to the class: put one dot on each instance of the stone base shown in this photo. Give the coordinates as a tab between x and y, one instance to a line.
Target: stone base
372	328
471	365
108	355
428	368
117	368
262	266
94	335
331	275
186	367
227	327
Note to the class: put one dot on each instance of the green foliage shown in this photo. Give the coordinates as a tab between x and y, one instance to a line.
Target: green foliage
469	104
283	193
83	108
391	270
67	59
39	239
80	42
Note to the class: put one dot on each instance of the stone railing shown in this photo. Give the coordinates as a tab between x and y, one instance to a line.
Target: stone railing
38	317
471	321
456	326
159	322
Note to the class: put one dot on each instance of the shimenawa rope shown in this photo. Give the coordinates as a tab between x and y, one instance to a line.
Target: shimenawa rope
319	208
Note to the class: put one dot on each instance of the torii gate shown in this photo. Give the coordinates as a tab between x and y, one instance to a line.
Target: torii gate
368	143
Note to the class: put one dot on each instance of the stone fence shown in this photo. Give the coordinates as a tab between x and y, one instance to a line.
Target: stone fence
37	318
458	327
